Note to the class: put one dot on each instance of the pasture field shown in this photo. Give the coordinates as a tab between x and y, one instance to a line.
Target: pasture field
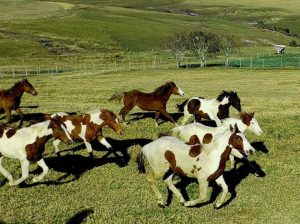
103	190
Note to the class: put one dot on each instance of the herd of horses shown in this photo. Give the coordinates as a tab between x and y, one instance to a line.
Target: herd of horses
191	149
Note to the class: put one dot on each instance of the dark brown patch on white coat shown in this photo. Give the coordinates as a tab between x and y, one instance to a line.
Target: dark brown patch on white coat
207	138
11	132
246	118
170	157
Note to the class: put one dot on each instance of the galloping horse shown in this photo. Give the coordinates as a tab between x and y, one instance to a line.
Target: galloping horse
10	99
28	145
207	134
155	101
88	127
212	109
204	162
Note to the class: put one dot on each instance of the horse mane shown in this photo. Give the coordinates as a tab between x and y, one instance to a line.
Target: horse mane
15	87
225	94
164	88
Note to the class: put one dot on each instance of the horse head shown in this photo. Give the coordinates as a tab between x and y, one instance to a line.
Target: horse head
249	120
28	88
59	130
235	101
238	141
111	120
175	90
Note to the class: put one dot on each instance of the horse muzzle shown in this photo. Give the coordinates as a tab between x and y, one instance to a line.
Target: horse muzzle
34	93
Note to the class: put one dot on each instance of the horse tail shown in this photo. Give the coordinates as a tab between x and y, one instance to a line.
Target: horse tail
180	107
140	159
117	97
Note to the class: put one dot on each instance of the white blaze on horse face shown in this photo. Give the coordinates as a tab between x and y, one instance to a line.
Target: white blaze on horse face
225	100
117	120
236	153
254	127
181	93
248	149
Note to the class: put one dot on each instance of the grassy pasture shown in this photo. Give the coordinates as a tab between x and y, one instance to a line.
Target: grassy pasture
104	192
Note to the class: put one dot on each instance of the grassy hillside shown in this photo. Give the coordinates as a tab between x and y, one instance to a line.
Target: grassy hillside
103	192
97	27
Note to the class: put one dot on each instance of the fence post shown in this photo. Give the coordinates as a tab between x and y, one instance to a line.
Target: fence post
251	62
263	60
281	62
13	72
240	63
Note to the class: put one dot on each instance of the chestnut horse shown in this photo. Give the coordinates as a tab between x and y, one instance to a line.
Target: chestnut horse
154	101
10	99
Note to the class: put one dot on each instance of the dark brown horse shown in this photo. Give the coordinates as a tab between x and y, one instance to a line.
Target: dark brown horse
155	101
10	99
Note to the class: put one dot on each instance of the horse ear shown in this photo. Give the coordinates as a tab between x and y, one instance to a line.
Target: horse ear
194	140
236	128
231	128
241	114
252	114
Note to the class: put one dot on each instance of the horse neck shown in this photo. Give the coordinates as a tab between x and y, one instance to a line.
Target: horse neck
41	129
231	121
164	96
16	90
220	144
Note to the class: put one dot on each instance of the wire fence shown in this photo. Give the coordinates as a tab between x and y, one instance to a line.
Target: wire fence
84	66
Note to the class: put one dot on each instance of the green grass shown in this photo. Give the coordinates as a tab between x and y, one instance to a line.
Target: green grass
121	195
92	28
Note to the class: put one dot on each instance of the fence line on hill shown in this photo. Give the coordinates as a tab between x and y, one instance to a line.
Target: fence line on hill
115	65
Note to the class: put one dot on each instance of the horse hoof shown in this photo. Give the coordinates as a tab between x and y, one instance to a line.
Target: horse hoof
161	205
11	183
182	203
217	206
58	154
35	179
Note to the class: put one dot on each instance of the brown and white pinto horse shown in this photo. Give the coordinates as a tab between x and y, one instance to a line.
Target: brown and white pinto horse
88	127
203	162
212	109
154	101
28	145
10	99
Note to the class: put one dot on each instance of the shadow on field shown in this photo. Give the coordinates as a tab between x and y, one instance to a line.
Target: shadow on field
232	178
260	146
74	166
80	216
143	115
2	222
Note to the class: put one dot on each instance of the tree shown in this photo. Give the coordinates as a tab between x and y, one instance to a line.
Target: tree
177	46
229	46
203	45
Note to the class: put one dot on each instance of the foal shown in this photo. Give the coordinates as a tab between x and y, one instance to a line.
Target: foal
88	127
212	109
154	101
203	162
28	145
10	99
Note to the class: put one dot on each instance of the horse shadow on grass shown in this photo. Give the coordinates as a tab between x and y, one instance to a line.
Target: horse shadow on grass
260	146
232	178
143	115
73	166
80	216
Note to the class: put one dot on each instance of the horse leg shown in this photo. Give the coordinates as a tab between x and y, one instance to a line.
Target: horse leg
125	110
171	186
203	187
156	118
221	182
152	178
5	172
88	147
25	172
55	144
103	141
168	116
8	115
21	115
45	168
232	162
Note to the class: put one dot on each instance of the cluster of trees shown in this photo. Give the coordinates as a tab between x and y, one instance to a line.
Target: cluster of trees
201	45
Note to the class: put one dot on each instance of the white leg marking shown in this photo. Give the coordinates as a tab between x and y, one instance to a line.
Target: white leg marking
232	161
171	186
45	168
25	172
105	143
5	172
56	143
221	182
203	186
88	146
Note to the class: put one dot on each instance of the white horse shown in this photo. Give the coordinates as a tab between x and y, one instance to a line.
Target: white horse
206	134
211	109
204	162
87	127
28	144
